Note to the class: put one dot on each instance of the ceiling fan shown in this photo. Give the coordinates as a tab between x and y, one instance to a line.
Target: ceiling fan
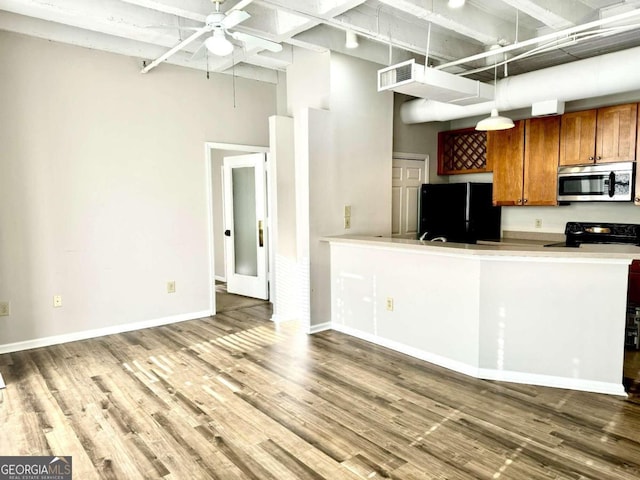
219	24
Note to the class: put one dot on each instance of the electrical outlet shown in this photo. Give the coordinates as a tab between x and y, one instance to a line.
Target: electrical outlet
347	210
57	301
5	309
347	223
390	304
171	287
538	223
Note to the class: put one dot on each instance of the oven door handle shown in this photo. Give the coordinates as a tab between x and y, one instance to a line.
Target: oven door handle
612	184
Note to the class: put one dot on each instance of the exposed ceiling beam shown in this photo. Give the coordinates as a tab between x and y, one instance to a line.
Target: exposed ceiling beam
262	71
552	13
468	21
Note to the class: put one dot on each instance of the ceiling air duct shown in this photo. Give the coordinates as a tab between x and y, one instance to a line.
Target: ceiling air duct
413	79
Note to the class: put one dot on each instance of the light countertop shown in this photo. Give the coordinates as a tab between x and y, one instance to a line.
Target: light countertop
519	248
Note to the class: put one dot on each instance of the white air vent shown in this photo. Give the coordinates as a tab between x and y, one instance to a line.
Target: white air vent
413	79
395	76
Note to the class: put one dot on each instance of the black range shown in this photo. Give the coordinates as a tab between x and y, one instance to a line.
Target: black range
578	233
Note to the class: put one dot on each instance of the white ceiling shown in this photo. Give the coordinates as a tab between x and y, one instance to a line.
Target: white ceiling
145	29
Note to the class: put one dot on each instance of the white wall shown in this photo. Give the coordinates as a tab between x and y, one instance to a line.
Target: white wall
284	254
343	148
103	182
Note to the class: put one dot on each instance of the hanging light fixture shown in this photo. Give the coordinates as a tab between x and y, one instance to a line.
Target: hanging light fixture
351	40
495	121
218	44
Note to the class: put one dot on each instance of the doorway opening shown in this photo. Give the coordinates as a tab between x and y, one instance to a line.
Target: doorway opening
214	158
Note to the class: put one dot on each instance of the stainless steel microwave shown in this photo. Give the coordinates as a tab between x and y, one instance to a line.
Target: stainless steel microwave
605	182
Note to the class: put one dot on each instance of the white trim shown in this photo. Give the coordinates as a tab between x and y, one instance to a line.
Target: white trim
2	384
221	279
552	381
275	318
208	146
486	373
439	360
320	327
410	156
101	332
210	248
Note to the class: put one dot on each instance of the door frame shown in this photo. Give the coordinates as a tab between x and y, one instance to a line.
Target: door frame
210	188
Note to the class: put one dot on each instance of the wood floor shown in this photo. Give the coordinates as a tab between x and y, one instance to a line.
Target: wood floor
234	396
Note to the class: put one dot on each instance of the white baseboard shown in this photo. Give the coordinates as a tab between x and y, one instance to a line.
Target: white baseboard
320	327
2	384
100	332
441	361
485	373
220	278
552	381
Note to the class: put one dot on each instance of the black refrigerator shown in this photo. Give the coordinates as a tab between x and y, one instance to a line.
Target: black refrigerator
458	212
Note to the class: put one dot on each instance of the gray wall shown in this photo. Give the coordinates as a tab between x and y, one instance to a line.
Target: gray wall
103	181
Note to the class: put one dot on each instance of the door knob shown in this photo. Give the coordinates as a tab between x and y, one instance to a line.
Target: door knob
227	233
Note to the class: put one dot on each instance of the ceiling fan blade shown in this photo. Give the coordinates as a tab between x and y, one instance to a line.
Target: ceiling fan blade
251	40
199	52
233	18
177	48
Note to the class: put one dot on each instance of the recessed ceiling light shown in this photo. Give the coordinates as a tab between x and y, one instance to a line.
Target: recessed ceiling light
456	3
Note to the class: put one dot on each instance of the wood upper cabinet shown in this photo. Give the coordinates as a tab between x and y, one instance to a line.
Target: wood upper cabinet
505	152
541	150
525	162
599	136
578	137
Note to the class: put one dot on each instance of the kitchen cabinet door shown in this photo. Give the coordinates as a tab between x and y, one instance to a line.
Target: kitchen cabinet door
542	140
505	152
578	137
599	136
616	133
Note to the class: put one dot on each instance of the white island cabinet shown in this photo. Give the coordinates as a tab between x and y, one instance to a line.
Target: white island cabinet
543	316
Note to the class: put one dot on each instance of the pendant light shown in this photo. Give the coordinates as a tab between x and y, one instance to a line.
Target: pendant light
495	121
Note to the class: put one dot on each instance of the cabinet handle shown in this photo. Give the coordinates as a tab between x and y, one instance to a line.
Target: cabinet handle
591	159
598	157
526	200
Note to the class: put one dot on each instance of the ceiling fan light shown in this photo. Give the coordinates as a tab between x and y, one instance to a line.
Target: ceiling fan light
456	3
495	122
218	44
351	40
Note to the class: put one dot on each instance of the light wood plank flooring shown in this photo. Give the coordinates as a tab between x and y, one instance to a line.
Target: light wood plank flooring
234	396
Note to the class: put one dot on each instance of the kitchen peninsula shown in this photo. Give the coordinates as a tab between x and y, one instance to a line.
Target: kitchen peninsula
526	314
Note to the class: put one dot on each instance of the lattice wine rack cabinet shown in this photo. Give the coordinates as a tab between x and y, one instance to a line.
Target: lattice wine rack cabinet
462	151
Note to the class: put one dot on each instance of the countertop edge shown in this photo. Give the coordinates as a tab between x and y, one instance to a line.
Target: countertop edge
620	253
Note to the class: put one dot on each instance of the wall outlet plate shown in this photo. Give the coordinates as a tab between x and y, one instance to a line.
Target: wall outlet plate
171	287
57	301
389	304
5	309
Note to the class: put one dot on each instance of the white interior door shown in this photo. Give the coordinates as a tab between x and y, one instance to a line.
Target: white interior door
407	176
245	220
